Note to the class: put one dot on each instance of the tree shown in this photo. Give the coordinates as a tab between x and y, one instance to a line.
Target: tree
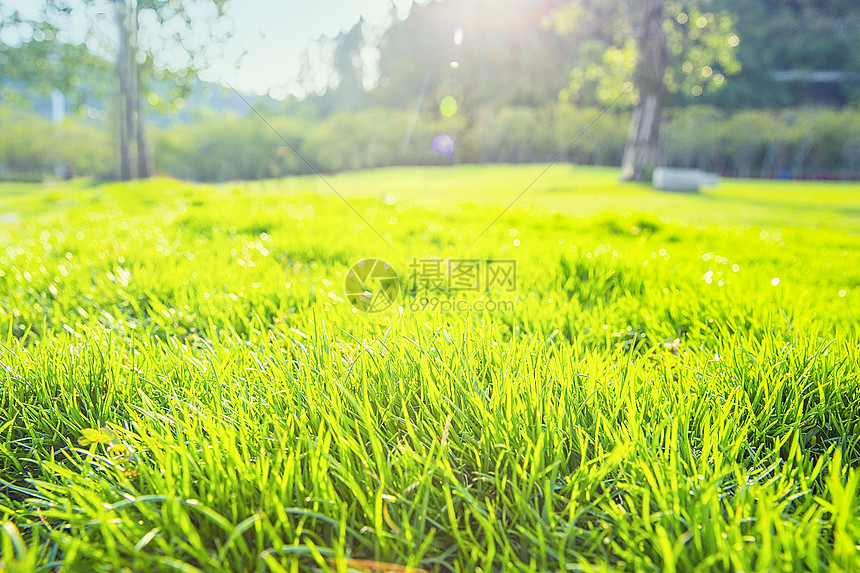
32	58
348	65
662	46
182	38
795	35
643	139
334	73
132	139
499	52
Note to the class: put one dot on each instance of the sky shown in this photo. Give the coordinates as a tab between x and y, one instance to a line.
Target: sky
270	36
275	34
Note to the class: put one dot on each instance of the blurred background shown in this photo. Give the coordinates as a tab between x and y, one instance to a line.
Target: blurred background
127	89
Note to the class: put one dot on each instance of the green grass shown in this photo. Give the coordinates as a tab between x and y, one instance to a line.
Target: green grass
184	387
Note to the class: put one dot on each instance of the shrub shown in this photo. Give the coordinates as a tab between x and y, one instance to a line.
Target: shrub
32	147
820	143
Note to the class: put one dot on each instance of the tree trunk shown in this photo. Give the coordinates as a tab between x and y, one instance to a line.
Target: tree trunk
144	165
643	138
124	90
134	156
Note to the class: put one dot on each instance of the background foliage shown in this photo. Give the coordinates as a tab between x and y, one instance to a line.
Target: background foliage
803	142
507	97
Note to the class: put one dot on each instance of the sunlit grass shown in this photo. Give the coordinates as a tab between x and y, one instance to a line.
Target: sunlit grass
184	386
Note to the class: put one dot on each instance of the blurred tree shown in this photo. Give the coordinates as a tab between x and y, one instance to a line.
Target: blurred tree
335	72
187	57
131	125
349	66
796	35
497	52
663	46
44	65
60	41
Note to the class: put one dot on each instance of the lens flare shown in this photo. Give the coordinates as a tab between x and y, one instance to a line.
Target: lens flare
448	106
443	144
458	36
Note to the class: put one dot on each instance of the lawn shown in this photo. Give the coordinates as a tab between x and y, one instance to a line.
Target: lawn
671	384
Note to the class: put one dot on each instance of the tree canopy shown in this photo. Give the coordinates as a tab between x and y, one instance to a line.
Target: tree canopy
458	60
701	46
59	42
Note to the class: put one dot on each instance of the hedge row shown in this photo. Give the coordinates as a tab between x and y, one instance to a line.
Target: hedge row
217	147
819	143
32	147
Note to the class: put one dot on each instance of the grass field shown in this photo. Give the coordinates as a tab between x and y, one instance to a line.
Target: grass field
184	386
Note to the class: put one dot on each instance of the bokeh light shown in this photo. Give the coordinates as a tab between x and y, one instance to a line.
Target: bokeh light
443	144
458	36
448	106
449	95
